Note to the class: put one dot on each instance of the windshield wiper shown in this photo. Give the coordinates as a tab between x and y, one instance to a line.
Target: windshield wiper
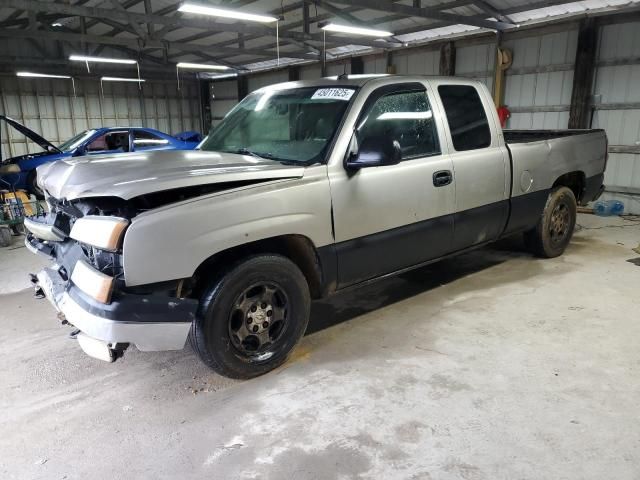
246	151
264	156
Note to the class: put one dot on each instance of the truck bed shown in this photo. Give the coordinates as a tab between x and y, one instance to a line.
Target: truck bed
526	136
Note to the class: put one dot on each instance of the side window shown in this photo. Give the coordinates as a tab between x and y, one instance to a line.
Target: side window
109	142
143	139
466	116
405	117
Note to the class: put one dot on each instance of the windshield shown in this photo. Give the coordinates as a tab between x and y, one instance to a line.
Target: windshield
291	125
75	141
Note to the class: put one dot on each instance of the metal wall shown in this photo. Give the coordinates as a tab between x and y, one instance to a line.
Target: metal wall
617	109
539	83
224	96
476	61
51	108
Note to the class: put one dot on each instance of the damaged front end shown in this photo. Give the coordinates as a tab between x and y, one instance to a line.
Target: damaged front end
86	281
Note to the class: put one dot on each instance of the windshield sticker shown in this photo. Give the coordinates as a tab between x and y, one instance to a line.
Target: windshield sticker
333	94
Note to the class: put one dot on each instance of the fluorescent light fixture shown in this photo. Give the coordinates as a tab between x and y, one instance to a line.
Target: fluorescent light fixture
405	115
369	32
83	58
217	77
221	12
40	75
201	66
121	79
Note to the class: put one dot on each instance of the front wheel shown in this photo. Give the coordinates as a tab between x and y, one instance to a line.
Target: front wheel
550	237
251	317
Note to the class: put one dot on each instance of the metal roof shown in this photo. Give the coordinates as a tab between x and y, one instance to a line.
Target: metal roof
156	34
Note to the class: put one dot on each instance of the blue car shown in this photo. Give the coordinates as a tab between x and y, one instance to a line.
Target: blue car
20	172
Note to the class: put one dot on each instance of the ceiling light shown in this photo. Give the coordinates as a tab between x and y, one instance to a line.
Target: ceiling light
121	79
82	58
201	66
40	75
332	27
220	12
213	76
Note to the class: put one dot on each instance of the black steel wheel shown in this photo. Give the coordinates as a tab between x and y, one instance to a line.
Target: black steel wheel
252	316
553	232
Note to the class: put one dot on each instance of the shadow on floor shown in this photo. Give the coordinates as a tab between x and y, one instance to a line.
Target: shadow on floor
359	301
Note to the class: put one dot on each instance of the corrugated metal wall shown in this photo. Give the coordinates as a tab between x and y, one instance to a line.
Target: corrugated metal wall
224	96
476	61
539	82
617	109
50	107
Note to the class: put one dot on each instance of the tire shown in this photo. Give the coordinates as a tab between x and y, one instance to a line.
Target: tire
32	185
251	317
5	237
550	237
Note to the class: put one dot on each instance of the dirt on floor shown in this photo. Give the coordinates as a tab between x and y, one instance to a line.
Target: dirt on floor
487	366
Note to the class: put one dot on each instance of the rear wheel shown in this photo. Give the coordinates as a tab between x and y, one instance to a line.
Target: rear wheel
553	232
251	317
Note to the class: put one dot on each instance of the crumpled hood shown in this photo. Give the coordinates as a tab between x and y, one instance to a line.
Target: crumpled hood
139	173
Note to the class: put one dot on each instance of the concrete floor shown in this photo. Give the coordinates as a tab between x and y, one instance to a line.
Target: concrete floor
492	365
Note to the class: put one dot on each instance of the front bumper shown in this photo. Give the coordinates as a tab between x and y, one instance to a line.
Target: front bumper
150	322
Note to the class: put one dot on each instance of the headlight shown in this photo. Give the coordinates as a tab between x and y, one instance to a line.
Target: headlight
92	282
101	232
11	168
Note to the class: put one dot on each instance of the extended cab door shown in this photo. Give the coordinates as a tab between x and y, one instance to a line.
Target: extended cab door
480	163
390	217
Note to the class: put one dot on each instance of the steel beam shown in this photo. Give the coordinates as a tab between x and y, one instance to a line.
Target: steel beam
206	24
433	13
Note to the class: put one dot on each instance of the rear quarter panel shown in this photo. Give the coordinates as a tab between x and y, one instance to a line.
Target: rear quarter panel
537	165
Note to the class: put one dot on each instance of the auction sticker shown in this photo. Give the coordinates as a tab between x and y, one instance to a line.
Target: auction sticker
333	94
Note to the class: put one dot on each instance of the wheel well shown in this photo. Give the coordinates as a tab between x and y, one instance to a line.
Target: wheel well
297	248
574	180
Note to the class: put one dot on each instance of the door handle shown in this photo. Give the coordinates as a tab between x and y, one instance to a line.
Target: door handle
442	178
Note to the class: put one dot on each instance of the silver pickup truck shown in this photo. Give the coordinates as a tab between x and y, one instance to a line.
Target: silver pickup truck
305	189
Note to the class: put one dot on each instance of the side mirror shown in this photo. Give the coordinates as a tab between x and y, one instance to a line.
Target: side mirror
78	152
375	152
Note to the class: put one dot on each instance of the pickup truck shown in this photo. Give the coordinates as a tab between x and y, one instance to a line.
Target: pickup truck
305	189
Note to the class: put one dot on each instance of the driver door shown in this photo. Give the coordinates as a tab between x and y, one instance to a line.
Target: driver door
388	218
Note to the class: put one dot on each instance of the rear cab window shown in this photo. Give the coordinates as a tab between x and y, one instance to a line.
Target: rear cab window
466	116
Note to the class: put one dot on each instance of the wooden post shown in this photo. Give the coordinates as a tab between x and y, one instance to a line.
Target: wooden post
448	59
584	70
391	68
294	73
243	87
357	65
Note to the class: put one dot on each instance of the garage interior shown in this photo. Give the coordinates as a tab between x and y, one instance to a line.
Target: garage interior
494	364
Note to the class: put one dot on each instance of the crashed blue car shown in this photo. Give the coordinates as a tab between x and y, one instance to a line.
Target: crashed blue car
20	172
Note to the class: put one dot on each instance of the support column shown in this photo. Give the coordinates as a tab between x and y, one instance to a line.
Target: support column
448	59
357	65
583	73
294	73
243	87
391	68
